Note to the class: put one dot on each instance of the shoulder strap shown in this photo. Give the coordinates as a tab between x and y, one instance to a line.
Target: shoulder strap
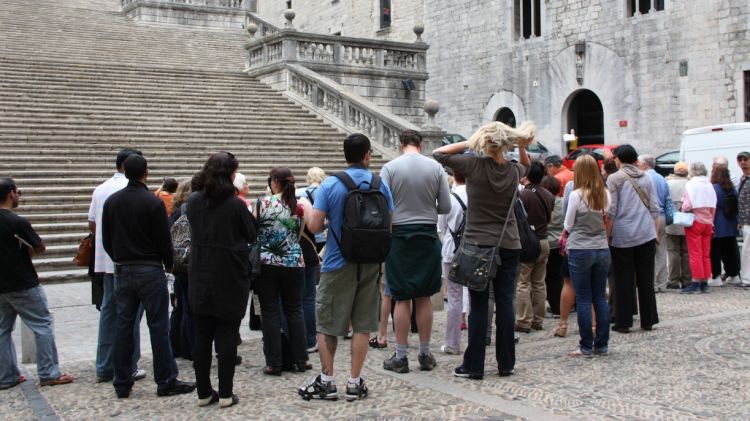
183	209
641	193
309	196
375	182
346	179
510	208
460	202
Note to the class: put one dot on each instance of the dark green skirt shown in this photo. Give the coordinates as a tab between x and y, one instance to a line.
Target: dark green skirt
413	268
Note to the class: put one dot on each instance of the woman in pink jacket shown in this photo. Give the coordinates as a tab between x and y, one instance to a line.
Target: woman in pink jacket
700	199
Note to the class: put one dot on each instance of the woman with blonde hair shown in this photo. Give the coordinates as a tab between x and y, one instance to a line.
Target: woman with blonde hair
491	187
585	240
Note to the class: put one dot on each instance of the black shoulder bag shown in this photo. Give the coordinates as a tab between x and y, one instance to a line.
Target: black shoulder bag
473	266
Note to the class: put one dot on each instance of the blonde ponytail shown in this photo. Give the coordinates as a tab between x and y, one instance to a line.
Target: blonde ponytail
499	136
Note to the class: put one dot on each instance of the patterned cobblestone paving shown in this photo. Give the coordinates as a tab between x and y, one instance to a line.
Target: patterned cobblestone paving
693	365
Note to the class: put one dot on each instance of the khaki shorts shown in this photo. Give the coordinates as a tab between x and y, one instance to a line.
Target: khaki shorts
343	297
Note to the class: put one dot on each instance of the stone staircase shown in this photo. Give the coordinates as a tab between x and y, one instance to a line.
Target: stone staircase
70	102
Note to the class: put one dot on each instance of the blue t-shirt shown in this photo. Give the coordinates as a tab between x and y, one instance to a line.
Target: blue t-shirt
330	199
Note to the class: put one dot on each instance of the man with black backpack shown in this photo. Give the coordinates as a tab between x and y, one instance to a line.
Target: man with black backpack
358	206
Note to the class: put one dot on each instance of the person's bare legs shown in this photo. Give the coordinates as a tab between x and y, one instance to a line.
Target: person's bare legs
402	321
424	318
327	350
567	297
359	352
385	311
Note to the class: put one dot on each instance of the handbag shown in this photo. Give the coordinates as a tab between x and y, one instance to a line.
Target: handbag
83	256
669	210
253	255
473	265
683	219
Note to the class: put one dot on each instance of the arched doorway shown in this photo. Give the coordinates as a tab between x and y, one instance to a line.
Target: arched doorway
505	115
586	116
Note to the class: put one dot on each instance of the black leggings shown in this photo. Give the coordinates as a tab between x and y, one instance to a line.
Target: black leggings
725	250
224	332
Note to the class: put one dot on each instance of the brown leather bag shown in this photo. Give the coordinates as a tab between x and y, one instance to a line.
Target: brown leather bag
83	256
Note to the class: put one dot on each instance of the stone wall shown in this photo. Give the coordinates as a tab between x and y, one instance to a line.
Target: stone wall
353	18
478	66
211	14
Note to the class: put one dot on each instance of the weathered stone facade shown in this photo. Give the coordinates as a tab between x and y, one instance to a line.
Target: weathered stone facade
655	74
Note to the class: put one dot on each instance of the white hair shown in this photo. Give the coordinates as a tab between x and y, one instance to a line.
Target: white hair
697	169
648	160
239	181
721	160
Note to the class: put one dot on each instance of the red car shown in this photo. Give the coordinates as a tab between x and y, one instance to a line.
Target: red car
600	151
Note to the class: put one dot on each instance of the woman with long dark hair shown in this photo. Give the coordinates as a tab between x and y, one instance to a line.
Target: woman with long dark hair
491	186
724	242
585	238
221	229
281	221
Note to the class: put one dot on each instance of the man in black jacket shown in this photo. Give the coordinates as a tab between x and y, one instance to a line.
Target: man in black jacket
136	235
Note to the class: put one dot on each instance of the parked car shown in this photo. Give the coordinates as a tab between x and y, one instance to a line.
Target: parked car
599	151
665	162
536	151
452	138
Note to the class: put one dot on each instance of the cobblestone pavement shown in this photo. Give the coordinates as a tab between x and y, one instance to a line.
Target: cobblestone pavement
695	364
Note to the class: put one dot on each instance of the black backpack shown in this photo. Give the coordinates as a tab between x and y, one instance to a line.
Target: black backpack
731	204
530	247
458	234
366	231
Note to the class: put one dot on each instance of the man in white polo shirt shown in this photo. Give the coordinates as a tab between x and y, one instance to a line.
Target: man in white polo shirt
104	267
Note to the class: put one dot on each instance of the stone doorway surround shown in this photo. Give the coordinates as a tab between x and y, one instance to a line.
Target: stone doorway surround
504	99
582	106
605	74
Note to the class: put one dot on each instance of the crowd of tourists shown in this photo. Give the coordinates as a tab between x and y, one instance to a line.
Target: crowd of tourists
336	257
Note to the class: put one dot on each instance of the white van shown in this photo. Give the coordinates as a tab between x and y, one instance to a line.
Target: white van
705	143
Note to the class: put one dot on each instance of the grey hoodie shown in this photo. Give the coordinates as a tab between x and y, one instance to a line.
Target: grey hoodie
633	222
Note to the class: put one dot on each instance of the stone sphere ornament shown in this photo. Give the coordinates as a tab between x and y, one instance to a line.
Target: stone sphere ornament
251	28
289	15
419	30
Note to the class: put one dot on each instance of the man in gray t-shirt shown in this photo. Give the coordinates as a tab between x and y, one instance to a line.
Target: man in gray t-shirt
413	268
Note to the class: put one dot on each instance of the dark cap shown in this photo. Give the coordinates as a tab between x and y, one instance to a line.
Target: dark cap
626	154
553	160
744	154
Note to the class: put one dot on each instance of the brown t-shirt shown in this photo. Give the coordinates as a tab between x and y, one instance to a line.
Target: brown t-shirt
538	202
490	188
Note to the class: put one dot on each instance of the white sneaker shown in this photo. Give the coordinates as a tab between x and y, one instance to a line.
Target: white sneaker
716	282
445	349
733	280
313	349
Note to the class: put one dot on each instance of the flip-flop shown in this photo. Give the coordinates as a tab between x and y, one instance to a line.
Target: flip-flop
377	345
63	379
20	380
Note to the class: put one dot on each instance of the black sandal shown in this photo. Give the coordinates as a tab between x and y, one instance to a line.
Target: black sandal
377	345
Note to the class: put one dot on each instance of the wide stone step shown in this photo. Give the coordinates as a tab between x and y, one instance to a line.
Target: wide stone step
61	227
40	115
64	239
65	251
46	218
64	276
54	263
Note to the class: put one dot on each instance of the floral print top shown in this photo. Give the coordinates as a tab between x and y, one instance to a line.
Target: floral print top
279	232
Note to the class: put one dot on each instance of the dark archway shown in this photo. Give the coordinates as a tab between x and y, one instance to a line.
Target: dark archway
505	115
586	116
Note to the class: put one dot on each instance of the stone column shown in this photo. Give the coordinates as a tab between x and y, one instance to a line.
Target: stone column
432	134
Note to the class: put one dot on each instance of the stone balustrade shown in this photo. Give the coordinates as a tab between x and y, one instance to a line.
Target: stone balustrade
231	4
345	110
256	24
311	49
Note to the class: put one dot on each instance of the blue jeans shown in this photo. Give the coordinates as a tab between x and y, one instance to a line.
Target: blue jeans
137	285
105	346
504	286
308	304
31	306
588	271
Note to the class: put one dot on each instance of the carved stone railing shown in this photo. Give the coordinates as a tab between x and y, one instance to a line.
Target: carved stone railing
214	13
313	49
231	4
341	108
262	26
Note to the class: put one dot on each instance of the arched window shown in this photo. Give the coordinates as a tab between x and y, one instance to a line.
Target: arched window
643	6
527	18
